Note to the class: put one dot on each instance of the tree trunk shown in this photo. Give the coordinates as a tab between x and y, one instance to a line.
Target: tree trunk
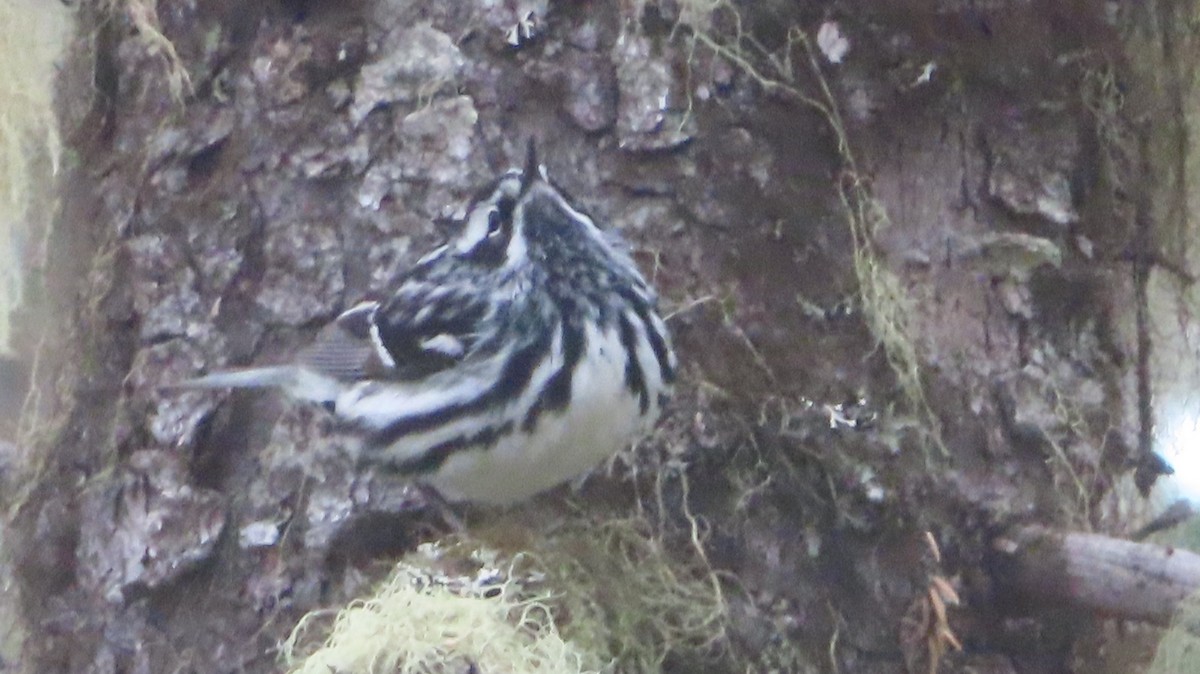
907	251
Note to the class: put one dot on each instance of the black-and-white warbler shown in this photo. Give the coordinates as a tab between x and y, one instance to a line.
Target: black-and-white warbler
514	357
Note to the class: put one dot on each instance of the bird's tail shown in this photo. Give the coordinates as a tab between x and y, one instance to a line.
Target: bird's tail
297	381
253	377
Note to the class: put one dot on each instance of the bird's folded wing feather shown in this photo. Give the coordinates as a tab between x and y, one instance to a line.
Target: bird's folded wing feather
404	339
344	350
430	328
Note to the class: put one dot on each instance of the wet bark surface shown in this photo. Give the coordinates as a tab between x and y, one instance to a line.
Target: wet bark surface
317	149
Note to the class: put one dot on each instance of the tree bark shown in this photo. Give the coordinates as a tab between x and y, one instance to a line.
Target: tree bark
249	170
1126	579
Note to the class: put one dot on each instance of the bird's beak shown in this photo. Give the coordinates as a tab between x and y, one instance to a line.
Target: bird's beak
532	171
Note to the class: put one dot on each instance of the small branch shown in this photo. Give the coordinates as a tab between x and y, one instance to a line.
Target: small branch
1120	578
1148	469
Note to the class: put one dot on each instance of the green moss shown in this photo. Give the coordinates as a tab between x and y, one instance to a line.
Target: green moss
143	16
422	621
590	595
1179	650
32	36
627	600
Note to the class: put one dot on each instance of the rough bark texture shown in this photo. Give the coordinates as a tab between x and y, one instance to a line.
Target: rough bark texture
318	149
1134	581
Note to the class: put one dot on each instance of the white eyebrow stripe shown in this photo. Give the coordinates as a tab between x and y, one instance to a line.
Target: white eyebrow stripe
476	230
477	219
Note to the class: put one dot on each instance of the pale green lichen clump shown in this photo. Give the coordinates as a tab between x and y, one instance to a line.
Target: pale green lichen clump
32	36
423	622
1179	650
590	596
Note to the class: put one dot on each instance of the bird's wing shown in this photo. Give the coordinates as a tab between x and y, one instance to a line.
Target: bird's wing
345	351
430	325
348	349
425	327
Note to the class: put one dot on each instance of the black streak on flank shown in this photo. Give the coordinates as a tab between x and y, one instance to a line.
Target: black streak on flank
433	458
635	379
514	378
657	343
557	392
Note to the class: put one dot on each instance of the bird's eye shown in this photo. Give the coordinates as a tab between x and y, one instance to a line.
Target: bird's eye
495	223
500	216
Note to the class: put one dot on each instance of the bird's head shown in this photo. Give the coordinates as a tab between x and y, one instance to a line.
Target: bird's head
521	218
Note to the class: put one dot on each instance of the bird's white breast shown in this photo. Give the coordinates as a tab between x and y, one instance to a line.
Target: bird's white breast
601	419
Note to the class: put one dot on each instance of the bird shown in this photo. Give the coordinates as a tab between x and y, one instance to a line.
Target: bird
518	355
